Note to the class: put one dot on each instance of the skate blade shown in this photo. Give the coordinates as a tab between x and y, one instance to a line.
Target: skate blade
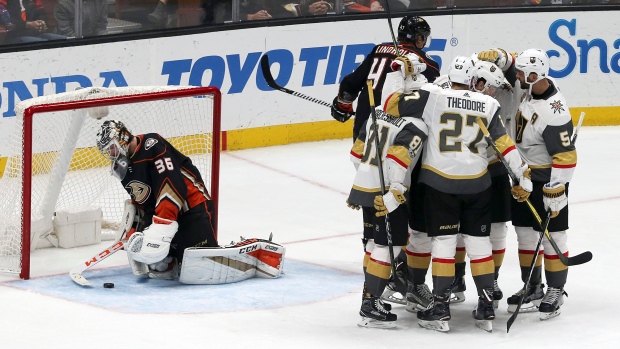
393	297
372	323
457	297
414	307
546	316
411	307
486	325
525	307
436	325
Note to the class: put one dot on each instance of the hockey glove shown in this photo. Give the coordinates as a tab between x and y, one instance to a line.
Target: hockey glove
390	201
353	206
497	56
408	65
522	190
554	198
342	109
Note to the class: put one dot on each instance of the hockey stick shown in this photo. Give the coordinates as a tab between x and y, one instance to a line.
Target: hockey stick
373	113
581	117
389	18
264	64
568	261
76	273
526	286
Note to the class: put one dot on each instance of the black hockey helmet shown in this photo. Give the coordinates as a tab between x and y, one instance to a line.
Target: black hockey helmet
410	26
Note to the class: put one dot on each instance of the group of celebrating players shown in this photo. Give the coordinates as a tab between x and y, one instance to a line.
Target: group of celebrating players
445	193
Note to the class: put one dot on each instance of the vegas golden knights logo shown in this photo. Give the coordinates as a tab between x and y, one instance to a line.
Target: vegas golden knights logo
139	191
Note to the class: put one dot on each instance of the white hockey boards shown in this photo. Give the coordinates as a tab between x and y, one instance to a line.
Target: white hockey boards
55	178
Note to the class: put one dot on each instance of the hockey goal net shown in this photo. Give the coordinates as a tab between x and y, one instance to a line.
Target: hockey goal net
54	166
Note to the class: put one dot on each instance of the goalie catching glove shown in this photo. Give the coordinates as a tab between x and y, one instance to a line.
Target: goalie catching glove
342	107
554	198
408	65
390	201
522	190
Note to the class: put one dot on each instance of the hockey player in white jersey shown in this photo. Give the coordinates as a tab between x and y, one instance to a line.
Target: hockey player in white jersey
543	129
458	192
401	140
489	80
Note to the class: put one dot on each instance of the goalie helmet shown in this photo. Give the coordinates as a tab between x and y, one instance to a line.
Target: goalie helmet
410	26
113	142
490	74
533	61
461	70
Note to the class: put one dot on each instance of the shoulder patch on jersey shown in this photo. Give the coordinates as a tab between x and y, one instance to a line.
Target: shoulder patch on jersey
139	191
149	143
557	106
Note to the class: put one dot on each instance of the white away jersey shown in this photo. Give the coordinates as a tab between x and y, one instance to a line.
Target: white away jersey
543	128
455	156
401	139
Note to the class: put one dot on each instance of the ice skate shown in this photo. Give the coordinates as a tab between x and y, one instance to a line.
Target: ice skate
419	298
531	300
458	290
497	294
167	269
395	292
375	315
484	314
390	294
551	303
437	317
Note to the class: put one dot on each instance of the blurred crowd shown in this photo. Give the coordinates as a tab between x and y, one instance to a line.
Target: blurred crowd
26	21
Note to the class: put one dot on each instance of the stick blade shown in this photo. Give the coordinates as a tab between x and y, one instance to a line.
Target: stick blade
582	258
79	279
264	65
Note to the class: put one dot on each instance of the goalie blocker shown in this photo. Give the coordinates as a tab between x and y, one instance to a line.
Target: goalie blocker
227	264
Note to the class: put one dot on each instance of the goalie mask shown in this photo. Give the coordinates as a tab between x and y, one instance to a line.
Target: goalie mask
113	142
533	61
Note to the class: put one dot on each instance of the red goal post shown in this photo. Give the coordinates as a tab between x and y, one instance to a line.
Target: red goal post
53	165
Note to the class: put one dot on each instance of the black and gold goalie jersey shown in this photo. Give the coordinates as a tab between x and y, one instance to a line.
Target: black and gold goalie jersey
161	180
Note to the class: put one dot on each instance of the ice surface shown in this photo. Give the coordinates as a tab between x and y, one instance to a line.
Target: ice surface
298	192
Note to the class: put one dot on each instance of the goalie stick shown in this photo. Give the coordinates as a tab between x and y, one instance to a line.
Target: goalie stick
76	273
568	261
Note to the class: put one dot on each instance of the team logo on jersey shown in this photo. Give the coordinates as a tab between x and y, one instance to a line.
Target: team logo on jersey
149	143
139	191
557	106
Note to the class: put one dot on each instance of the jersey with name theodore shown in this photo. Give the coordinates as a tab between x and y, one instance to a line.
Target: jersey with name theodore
455	155
161	180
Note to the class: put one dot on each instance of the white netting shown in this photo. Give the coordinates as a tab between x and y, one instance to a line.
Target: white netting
69	174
